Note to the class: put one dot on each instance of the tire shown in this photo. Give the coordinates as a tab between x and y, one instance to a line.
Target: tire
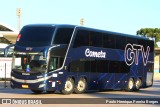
130	85
37	91
81	86
69	86
138	84
50	92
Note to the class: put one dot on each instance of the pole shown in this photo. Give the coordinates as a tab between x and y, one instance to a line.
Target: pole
5	77
19	13
82	21
19	23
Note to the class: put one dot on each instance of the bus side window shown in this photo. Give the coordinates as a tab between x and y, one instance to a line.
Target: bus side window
121	42
109	41
95	39
63	36
82	39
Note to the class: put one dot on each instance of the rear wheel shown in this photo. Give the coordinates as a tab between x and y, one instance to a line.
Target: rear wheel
81	86
37	91
130	85
69	86
138	84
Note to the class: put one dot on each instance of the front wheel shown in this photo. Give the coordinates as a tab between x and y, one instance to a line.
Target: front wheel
81	86
69	86
37	91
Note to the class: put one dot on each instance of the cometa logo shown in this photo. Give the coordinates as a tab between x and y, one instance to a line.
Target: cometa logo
89	53
131	54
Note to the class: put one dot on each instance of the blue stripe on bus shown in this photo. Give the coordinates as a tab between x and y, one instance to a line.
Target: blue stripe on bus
101	77
109	80
119	80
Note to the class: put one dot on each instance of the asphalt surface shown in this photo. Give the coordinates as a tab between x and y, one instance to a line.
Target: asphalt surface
147	93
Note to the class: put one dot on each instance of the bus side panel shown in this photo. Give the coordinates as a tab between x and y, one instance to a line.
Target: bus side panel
106	81
120	81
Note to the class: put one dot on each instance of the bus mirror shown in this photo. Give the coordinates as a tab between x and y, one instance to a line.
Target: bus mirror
6	49
45	54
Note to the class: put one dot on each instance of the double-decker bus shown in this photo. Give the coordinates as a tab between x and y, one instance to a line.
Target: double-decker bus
68	58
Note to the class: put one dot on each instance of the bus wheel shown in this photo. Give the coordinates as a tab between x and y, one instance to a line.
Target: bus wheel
69	86
37	91
81	86
50	92
130	85
138	84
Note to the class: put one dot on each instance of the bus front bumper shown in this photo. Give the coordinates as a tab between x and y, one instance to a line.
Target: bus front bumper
38	84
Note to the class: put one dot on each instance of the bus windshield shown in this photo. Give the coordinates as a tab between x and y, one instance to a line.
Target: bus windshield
29	62
35	36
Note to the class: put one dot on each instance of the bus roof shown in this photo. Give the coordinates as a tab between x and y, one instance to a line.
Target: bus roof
115	33
92	29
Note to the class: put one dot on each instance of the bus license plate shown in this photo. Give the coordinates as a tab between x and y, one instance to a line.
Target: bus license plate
25	86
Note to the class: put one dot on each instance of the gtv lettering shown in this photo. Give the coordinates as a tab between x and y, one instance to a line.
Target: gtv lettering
89	53
131	54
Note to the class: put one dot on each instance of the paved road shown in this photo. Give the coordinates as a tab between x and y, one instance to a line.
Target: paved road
152	92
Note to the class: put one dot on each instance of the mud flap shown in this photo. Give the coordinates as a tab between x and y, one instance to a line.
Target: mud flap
149	80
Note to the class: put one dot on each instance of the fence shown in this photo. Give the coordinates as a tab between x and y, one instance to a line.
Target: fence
5	71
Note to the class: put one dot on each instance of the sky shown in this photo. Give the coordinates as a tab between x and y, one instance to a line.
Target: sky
124	16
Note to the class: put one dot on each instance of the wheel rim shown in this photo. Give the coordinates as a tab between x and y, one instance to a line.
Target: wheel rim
81	85
131	84
68	86
138	84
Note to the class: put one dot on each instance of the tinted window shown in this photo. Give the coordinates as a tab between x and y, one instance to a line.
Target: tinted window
118	67
102	66
93	66
151	45
95	39
121	42
82	38
63	36
114	67
36	36
124	68
99	66
77	66
131	40
144	43
87	66
108	41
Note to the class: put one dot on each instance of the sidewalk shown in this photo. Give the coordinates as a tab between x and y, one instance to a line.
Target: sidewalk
157	76
2	84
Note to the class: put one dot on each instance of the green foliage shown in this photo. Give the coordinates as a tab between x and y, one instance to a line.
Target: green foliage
151	33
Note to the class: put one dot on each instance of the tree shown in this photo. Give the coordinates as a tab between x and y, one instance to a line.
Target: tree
153	33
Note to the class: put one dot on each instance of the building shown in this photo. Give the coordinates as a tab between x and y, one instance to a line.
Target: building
8	34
